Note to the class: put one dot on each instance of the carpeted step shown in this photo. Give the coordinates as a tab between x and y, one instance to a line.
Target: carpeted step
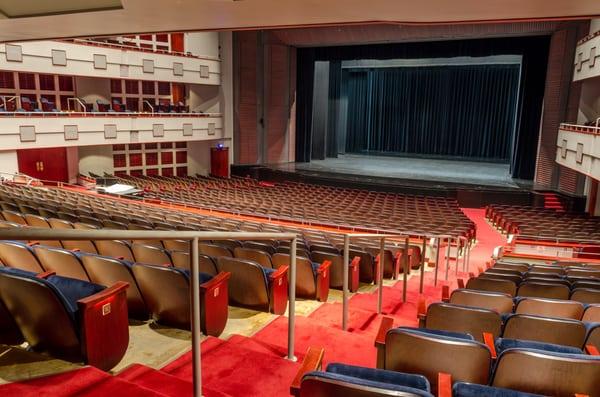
232	369
87	381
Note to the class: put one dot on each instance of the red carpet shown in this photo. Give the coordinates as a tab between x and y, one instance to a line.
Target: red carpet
487	238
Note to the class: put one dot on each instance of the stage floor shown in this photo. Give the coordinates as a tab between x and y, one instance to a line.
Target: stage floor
417	170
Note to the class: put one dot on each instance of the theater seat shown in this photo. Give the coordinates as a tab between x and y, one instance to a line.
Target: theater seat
585	295
67	318
182	260
312	279
166	291
104	270
550	374
214	250
352	381
62	262
337	270
114	248
150	255
543	290
19	256
254	286
462	389
261	257
499	302
550	308
503	344
469	320
430	352
544	329
492	285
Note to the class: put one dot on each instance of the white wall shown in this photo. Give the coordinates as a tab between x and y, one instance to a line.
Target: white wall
202	43
91	88
199	157
594	25
8	162
205	98
97	159
226	89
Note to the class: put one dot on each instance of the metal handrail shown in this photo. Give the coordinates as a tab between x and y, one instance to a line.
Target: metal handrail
109	114
194	237
77	100
149	105
6	98
557	240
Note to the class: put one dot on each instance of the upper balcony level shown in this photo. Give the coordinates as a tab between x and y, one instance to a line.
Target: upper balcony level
106	60
27	130
578	147
587	58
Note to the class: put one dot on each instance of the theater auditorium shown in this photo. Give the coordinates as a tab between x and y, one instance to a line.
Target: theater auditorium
301	198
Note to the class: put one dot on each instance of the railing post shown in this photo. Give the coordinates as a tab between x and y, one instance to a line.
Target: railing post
345	282
292	299
437	260
468	257
380	275
423	252
196	333
465	253
448	256
457	254
406	267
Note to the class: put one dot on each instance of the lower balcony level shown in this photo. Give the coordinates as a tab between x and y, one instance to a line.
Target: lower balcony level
578	147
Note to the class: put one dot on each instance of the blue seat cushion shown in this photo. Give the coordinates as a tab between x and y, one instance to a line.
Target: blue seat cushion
315	267
267	273
72	289
17	272
204	277
461	389
368	383
503	343
380	375
434	332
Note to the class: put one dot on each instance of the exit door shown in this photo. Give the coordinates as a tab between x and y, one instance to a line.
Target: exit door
47	164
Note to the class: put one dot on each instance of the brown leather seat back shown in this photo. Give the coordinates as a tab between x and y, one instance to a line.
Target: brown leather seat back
315	386
550	308
41	317
468	320
214	250
335	270
81	245
166	293
501	276
496	301
584	273
547	269
115	249
61	261
520	267
182	260
492	285
464	360
305	278
324	248
231	244
260	257
366	271
247	285
543	290
15	217
36	221
544	329
547	374
177	245
150	255
57	223
111	224
19	256
260	246
585	295
107	271
592	314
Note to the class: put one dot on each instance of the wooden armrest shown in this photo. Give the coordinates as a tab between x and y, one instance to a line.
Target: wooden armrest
104	294
45	274
282	271
75	250
488	338
355	262
422	308
32	243
324	266
592	350
312	362
445	293
460	282
215	281
444	385
387	323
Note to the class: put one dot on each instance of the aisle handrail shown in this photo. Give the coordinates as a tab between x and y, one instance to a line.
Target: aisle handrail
195	237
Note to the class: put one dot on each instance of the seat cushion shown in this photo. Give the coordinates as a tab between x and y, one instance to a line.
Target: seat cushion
204	277
462	389
504	343
380	375
315	267
72	289
434	332
17	272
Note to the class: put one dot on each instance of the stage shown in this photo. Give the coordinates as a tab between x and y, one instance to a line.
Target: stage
413	171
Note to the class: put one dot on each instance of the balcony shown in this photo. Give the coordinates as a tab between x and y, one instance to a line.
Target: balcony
83	58
24	130
587	58
578	147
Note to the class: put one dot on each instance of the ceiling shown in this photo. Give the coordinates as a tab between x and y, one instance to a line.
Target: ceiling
67	19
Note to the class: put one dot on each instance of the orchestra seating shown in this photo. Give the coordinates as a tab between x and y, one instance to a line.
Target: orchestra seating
67	318
544	222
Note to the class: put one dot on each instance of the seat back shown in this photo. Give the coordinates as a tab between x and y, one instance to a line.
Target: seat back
248	285
182	260
177	245
366	271
591	314
585	295
496	301
115	249
543	290
336	270
521	267
107	271
305	277
41	315
150	255
544	329
501	276
559	270
166	293
260	246
418	353
492	285
19	256
468	320
61	261
260	257
550	308
549	374
214	250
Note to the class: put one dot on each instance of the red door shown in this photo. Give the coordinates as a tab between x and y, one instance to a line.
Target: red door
48	164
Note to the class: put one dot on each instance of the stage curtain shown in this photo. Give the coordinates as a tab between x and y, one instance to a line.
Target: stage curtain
465	111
